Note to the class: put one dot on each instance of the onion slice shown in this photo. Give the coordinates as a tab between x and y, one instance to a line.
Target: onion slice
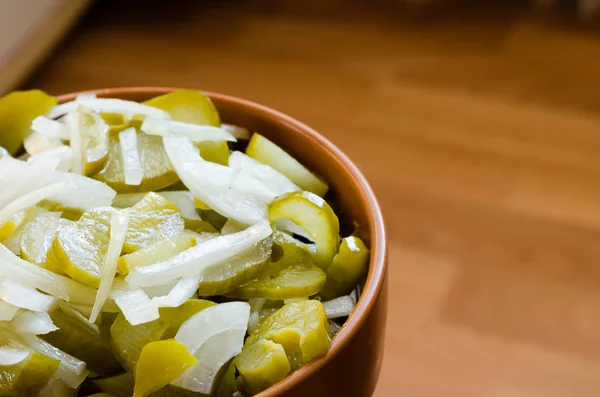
220	187
339	307
82	192
196	259
133	302
132	167
34	323
7	311
64	154
30	199
13	355
50	128
26	298
119	221
276	182
214	335
181	292
108	105
194	132
37	143
71	370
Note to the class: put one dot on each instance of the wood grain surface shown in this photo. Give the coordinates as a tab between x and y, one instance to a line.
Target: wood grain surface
480	132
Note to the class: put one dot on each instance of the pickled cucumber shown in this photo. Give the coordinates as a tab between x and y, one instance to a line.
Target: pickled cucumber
80	247
158	172
119	385
348	266
272	155
261	365
27	378
80	339
160	363
217	152
155	253
300	327
17	111
188	106
151	220
315	216
36	241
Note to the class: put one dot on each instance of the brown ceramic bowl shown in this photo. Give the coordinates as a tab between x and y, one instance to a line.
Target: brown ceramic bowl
352	366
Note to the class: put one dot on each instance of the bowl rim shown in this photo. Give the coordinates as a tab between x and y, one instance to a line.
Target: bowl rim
378	266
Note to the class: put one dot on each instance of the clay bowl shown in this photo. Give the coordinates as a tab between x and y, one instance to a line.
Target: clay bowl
351	368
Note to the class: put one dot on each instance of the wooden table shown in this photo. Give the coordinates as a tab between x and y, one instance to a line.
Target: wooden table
480	135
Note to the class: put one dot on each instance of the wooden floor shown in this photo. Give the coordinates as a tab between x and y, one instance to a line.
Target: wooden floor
480	133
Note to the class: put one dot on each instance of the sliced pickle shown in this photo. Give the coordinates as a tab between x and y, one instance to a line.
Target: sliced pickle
127	341
156	252
80	247
313	214
219	280
229	385
158	172
160	363
119	385
27	378
348	266
296	281
214	218
151	220
77	337
36	241
17	111
272	155
261	365
187	106
217	152
300	327
290	251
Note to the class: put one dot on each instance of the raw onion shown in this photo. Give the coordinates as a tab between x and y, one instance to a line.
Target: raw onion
194	132
109	105
26	298
132	167
13	355
50	128
133	302
34	323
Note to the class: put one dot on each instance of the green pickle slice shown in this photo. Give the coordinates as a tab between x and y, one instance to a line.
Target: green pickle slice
156	252
77	337
296	281
158	171
272	155
188	106
287	251
151	220
17	111
261	365
300	327
160	363
215	151
316	217
27	378
80	247
348	266
36	241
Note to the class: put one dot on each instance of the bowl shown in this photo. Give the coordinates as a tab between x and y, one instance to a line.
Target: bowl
352	365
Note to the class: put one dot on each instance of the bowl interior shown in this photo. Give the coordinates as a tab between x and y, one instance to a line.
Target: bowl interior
353	198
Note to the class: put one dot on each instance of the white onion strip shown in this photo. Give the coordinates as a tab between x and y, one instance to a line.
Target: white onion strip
30	199
108	105
7	311
118	229
34	323
24	297
73	123
181	292
132	167
194	132
133	302
12	355
50	128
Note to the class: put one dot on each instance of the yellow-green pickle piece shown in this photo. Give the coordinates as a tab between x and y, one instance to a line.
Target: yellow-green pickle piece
16	221
215	151
160	363
296	281
151	220
239	270
300	327
127	341
348	266
287	251
261	365
81	247
17	111
316	217
119	385
158	171
77	337
155	253
36	241
188	106
265	151
27	378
